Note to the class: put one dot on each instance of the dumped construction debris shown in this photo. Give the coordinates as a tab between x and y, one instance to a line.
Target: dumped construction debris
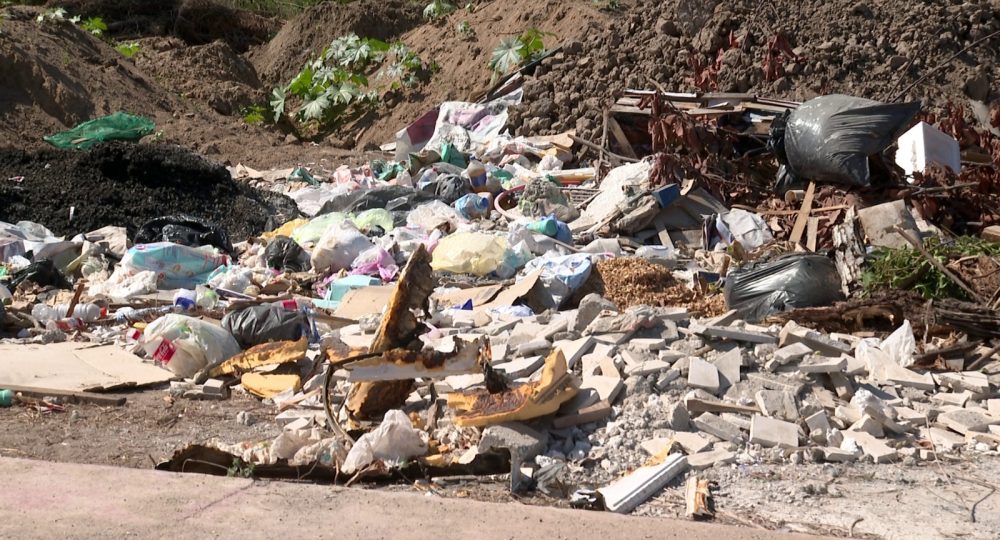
591	294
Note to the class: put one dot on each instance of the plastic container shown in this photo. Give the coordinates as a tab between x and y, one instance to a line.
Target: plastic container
185	299
6	398
477	174
206	298
86	312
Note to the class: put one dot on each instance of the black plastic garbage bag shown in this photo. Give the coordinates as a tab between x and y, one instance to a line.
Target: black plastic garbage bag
260	324
449	187
185	230
396	199
829	139
42	272
793	281
286	255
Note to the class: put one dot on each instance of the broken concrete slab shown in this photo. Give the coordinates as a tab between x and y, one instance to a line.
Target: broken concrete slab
704	460
792	333
714	425
593	413
728	365
735	334
777	404
868	425
648	367
873	447
692	443
819	421
822	364
772	382
791	353
836	455
942	439
665	379
575	349
973	381
965	421
697	405
677	416
769	432
625	494
704	375
521	441
647	344
522	367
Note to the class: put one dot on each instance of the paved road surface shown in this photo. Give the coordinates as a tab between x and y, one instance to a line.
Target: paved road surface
41	499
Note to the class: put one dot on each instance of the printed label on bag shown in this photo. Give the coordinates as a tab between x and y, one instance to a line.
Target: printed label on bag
164	352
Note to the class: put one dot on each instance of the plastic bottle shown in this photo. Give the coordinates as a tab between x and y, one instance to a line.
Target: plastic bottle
85	312
477	174
6	398
206	298
185	299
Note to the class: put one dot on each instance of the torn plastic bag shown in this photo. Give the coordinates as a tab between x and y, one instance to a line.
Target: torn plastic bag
561	275
311	232
261	324
339	246
285	255
391	198
42	272
184	230
186	345
176	266
469	253
375	260
394	440
829	138
795	280
118	126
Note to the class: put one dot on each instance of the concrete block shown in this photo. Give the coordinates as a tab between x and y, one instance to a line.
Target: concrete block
692	443
625	494
769	432
714	425
868	425
670	355
737	420
777	404
942	439
215	386
822	364
607	388
958	399
665	379
847	413
521	441
879	223
793	333
522	367
648	367
703	375
791	353
704	460
575	349
593	413
728	364
836	455
773	382
876	448
966	421
735	334
677	416
647	344
973	381
632	358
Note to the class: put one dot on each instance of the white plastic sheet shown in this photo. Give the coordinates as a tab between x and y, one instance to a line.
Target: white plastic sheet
393	441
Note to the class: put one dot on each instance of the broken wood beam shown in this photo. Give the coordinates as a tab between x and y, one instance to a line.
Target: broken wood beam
619	135
69	395
803	216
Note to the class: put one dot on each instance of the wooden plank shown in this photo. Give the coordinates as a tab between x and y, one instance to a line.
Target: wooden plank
812	228
619	135
81	397
803	217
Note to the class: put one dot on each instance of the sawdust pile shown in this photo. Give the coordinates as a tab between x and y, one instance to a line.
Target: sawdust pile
632	281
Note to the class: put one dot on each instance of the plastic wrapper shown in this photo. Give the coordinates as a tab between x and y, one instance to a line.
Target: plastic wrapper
339	246
231	278
375	261
434	215
184	230
794	281
311	199
186	345
828	139
176	266
284	254
118	126
374	220
747	228
393	441
469	253
260	324
561	275
123	285
311	232
472	206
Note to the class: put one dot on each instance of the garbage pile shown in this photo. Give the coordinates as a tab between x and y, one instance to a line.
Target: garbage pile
589	323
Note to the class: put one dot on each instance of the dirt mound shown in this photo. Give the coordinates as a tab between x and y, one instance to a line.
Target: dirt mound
56	75
790	49
212	73
307	34
127	185
462	43
197	22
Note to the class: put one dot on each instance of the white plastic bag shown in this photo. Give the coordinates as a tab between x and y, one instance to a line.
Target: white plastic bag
186	345
434	214
339	246
394	440
900	345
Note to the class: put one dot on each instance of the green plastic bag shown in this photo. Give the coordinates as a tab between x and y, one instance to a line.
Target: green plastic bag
118	126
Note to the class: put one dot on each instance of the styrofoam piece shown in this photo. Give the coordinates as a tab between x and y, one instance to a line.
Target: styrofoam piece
924	144
628	492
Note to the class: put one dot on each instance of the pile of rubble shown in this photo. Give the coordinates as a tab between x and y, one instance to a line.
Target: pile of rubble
589	319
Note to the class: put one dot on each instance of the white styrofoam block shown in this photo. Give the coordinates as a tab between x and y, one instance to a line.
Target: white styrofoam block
625	494
924	144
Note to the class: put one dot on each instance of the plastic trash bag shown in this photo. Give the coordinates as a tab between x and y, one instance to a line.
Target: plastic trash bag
42	272
793	281
231	278
393	441
434	215
184	230
123	285
829	138
186	345
284	254
900	345
260	324
472	206
469	253
117	126
374	220
339	246
561	275
375	261
747	228
311	232
176	266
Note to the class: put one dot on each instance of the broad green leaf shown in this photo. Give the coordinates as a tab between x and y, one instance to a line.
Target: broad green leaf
278	102
302	84
507	55
315	108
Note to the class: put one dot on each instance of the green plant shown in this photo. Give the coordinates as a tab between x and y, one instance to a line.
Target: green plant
239	469
609	5
337	81
516	51
255	114
95	25
438	9
128	50
463	29
908	269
